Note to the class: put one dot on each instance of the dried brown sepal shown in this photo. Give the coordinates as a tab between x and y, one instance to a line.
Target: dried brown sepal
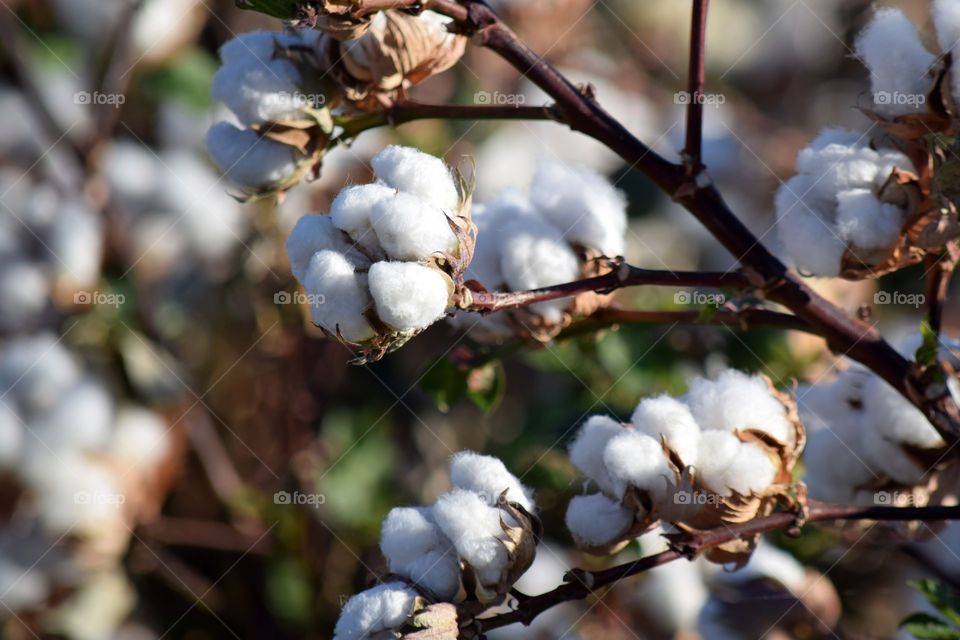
438	621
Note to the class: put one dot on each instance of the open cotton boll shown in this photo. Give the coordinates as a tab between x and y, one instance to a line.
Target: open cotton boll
382	607
475	530
419	174
582	204
718	450
408	295
887	161
342	296
139	438
737	401
314	233
249	160
535	255
586	450
864	221
886	456
635	459
485	265
837	167
946	20
752	470
415	548
812	244
351	210
673	420
82	419
489	477
596	520
891	49
892	416
410	228
834	466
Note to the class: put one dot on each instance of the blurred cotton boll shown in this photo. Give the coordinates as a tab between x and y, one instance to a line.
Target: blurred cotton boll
249	160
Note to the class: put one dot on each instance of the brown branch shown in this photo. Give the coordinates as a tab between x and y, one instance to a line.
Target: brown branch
694	135
624	275
581	584
938	267
745	318
845	335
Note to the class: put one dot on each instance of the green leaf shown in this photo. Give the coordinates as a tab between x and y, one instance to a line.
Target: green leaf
288	591
445	382
927	352
946	601
486	385
923	626
187	78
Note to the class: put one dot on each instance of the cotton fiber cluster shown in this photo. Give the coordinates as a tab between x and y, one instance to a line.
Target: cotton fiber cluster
381	608
835	204
261	82
714	434
864	437
84	465
543	238
50	248
376	252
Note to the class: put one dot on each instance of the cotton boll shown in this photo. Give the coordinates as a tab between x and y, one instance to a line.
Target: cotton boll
78	496
891	415
139	438
415	548
887	161
75	241
672	419
351	211
342	296
834	466
752	470
812	244
410	228
673	594
385	606
838	167
408	295
485	265
946	20
24	294
314	233
891	49
37	370
81	419
886	456
718	450
597	520
419	174
737	401
474	528
586	450
635	459
582	204
865	222
535	255
487	476
249	160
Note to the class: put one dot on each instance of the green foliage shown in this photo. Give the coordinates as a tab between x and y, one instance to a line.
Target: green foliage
947	602
187	78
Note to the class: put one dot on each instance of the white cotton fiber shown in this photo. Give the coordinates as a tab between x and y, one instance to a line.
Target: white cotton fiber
475	530
635	459
76	495
24	294
886	456
673	420
673	595
36	370
419	174
485	265
834	465
586	450
408	295
415	548
489	477
718	450
351	211
535	255
888	413
596	520
737	401
314	233
249	160
385	606
891	49
752	469
341	296
582	204
81	419
946	20
139	439
410	228
865	222
834	135
75	243
812	244
837	167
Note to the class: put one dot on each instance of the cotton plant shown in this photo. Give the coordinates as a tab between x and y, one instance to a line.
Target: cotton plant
568	225
721	454
86	468
466	549
868	445
388	260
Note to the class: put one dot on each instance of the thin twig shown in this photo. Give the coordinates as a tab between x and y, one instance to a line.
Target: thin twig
938	267
745	318
696	79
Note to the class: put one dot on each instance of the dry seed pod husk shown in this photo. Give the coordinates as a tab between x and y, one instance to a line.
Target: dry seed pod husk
336	18
396	51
